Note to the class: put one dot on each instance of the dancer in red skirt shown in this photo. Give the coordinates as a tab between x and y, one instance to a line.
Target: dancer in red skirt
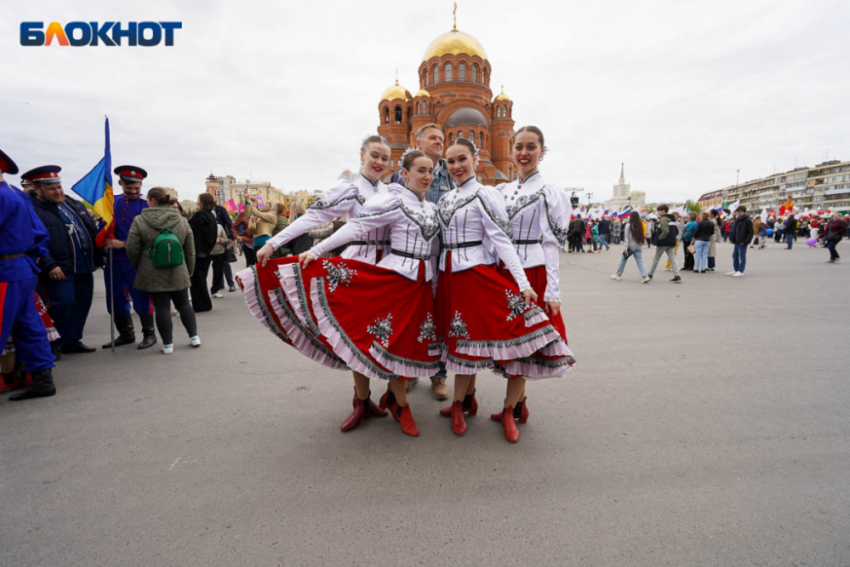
261	284
484	320
379	319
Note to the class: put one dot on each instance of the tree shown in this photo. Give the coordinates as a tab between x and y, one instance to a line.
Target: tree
693	206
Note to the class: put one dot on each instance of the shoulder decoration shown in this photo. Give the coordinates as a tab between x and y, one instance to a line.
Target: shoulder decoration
339	194
558	212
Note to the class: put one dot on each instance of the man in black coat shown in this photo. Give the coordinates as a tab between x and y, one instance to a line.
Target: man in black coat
741	234
603	229
67	271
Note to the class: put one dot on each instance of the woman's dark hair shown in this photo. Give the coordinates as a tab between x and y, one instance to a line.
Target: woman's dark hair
533	130
410	157
159	196
713	212
207	202
374	139
637	228
465	143
280	209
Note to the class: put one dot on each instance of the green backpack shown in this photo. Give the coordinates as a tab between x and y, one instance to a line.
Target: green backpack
166	251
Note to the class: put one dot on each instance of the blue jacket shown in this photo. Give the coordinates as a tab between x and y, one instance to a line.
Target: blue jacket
61	249
21	232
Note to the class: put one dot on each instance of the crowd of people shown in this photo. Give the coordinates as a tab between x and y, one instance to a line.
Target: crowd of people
155	261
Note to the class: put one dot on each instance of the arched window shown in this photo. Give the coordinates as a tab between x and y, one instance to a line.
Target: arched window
498	112
475	73
451	138
387	115
409	114
426	76
398	115
483	76
436	75
448	72
472	136
481	139
460	135
505	111
461	72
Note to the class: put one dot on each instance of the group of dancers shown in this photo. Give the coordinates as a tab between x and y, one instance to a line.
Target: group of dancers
471	283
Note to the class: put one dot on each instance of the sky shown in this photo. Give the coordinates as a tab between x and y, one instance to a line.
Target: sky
684	93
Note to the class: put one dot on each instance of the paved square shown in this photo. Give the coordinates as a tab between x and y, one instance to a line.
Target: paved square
706	423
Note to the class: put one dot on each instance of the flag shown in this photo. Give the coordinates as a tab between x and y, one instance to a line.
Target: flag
625	213
643	213
734	205
764	216
96	189
230	206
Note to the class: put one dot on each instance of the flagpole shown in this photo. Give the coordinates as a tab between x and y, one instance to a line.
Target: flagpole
112	304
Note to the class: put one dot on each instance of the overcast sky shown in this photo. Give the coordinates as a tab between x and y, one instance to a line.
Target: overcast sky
684	93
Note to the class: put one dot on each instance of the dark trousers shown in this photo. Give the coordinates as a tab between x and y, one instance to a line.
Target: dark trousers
162	304
69	302
689	258
739	258
833	253
250	255
711	262
218	272
200	293
789	238
20	319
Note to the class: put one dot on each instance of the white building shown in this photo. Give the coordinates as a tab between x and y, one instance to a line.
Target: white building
624	197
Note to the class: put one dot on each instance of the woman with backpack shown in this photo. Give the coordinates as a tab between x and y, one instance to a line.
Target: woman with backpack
205	230
161	248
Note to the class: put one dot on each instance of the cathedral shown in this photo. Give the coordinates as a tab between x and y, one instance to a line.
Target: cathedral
454	92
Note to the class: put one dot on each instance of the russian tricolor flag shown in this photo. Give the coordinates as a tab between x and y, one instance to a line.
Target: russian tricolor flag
625	213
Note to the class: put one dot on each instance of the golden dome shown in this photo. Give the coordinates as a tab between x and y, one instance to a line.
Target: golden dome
503	96
396	91
423	92
454	43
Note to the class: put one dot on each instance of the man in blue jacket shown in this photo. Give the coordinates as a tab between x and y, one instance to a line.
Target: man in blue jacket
741	234
22	239
68	268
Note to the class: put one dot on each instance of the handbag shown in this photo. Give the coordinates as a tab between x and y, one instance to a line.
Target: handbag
692	249
627	253
252	224
229	254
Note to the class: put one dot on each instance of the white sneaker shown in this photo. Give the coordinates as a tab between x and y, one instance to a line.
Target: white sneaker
616	277
167	349
196	341
731	273
217	295
738	275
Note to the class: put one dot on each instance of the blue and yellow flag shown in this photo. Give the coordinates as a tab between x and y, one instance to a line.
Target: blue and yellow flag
96	189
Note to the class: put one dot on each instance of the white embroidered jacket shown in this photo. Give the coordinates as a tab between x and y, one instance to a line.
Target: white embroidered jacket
413	228
346	198
540	219
474	223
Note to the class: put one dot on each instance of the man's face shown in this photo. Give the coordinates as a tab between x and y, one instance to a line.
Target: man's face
132	189
51	192
431	143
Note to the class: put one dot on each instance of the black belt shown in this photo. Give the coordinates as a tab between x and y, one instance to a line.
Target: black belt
369	242
463	245
525	242
5	257
408	255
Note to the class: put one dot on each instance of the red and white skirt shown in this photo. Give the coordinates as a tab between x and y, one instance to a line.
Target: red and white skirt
552	361
483	322
266	301
49	327
376	320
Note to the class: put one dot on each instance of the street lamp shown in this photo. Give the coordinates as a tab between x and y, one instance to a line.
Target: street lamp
589	195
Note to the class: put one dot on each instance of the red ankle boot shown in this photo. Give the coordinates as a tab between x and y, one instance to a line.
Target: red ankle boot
405	418
9	382
458	422
363	409
508	424
520	412
470	406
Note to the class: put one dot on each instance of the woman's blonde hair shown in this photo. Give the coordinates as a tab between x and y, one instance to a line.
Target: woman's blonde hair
297	208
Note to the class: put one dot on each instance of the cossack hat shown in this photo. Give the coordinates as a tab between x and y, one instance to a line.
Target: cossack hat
131	173
43	174
7	165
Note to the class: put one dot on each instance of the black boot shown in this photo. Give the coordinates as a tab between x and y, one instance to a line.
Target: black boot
126	333
148	332
42	386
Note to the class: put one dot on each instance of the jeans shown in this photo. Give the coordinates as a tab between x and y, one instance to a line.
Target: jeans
162	305
603	241
701	254
739	258
671	254
789	238
441	373
637	252
833	253
69	302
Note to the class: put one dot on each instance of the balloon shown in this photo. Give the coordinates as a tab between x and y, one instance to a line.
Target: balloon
770	232
812	242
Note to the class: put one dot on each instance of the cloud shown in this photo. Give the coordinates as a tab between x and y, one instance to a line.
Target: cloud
684	93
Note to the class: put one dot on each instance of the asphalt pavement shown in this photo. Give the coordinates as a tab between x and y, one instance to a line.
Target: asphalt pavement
705	423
